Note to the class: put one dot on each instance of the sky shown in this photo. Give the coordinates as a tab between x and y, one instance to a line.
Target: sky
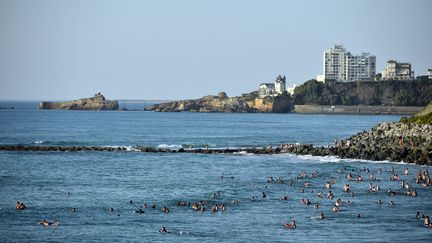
60	50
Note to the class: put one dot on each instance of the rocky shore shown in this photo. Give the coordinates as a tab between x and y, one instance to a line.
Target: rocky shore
395	142
247	103
98	102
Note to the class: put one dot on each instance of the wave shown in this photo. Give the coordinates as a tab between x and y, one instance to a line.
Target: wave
243	153
170	146
335	159
39	142
127	148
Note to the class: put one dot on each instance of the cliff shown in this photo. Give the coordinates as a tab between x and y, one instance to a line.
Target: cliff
389	92
97	102
249	103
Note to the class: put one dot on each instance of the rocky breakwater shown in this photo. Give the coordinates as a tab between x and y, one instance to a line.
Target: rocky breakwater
411	143
249	103
98	102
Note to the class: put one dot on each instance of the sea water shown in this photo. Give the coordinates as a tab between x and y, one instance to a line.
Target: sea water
52	183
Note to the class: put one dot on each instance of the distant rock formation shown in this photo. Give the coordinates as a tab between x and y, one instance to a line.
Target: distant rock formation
97	102
247	103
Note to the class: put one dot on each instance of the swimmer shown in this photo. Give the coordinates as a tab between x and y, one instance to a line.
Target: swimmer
321	216
139	211
391	203
284	197
214	208
316	205
264	195
163	230
46	223
426	221
418	215
335	209
222	207
145	205
358	215
73	210
20	206
292	225
131	202
165	210
379	201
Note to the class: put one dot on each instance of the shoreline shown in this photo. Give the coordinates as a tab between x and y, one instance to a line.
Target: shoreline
357	109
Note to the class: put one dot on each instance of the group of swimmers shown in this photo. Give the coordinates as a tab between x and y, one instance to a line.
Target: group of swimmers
406	189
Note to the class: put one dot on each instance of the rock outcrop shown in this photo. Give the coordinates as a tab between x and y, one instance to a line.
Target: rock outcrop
98	102
249	103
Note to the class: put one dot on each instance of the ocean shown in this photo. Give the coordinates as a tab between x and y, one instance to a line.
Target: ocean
52	184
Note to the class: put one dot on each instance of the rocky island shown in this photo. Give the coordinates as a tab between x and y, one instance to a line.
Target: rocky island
250	103
97	102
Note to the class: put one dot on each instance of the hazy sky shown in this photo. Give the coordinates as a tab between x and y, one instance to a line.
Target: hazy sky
54	49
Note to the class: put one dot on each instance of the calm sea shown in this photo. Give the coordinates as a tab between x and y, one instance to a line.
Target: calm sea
52	183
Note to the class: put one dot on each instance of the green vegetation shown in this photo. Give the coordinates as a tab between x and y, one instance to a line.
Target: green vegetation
423	117
389	92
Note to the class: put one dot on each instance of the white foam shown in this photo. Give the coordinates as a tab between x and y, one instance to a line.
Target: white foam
243	153
169	146
39	142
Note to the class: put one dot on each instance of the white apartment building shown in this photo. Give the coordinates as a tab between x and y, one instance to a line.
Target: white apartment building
340	65
429	73
334	63
397	70
361	67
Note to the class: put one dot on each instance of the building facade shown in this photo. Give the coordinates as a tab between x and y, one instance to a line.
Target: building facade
361	67
273	89
340	65
429	73
334	64
397	71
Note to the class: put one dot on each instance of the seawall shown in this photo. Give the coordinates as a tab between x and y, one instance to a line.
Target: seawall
358	109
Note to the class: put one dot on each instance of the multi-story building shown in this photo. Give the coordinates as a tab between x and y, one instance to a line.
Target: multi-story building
273	89
340	65
429	73
361	67
397	70
334	64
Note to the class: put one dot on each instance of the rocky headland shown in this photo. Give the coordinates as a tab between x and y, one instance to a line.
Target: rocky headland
249	103
98	102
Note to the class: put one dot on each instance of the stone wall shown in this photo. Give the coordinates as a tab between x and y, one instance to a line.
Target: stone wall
326	109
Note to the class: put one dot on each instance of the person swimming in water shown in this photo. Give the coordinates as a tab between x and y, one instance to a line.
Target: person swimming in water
46	223
321	216
292	225
165	210
163	230
20	206
139	211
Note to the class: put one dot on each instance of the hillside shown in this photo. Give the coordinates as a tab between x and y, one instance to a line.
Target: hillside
423	117
389	92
